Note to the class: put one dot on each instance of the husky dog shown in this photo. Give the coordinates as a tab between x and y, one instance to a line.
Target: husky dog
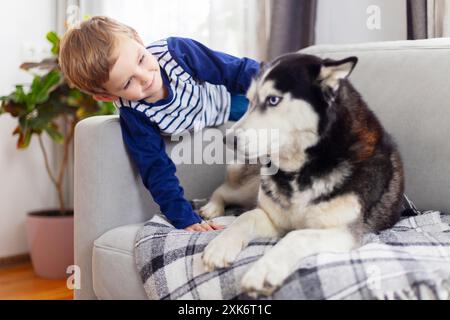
339	172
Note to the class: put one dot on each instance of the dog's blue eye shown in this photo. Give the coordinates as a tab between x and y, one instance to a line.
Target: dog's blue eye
273	101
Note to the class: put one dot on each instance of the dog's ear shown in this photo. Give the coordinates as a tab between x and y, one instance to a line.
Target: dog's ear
332	71
262	67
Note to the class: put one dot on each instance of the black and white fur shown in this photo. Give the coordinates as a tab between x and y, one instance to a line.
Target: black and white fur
340	174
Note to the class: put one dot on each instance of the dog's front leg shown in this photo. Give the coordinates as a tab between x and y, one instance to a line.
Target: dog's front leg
216	205
269	272
224	249
241	188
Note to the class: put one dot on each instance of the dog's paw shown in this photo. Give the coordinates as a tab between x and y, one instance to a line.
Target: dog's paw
212	210
222	251
264	277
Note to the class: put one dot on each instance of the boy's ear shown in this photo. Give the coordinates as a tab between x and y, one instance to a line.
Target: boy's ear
104	98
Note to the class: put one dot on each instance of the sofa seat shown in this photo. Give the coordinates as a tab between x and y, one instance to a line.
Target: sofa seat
114	270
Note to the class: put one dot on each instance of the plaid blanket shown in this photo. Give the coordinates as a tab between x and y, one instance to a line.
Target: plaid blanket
409	261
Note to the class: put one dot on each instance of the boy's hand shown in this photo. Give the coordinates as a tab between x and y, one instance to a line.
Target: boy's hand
205	226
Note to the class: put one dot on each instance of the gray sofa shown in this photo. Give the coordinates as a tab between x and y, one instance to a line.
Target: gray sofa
406	83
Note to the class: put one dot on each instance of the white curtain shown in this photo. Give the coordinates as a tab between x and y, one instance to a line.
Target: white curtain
63	9
438	17
238	27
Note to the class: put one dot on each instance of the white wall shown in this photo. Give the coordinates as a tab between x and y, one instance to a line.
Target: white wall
344	21
24	185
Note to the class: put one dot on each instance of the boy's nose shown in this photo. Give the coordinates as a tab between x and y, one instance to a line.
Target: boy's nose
144	79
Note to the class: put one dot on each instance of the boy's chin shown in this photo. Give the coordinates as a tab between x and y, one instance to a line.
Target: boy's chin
145	97
148	97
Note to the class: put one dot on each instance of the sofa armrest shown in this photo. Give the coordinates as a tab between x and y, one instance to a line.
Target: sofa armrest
109	192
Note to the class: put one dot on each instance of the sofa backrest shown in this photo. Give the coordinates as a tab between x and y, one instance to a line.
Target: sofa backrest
407	84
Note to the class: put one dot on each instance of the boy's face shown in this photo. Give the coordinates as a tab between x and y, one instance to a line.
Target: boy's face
135	75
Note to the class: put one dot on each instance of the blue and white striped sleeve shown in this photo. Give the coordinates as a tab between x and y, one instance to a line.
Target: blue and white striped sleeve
214	67
147	150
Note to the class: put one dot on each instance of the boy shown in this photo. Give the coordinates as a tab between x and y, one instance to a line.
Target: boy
171	86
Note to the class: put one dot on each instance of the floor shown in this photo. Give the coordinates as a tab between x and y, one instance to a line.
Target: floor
20	283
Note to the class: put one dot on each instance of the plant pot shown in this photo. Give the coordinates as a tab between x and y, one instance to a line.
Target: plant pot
50	241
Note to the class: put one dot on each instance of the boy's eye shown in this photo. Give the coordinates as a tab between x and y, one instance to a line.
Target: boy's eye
127	85
142	59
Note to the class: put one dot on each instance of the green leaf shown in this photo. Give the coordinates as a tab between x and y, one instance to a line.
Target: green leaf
36	84
52	37
41	89
54	134
20	96
74	98
47	84
109	109
35	88
106	108
54	40
51	80
24	139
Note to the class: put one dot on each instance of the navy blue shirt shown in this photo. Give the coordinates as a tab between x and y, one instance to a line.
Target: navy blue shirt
142	136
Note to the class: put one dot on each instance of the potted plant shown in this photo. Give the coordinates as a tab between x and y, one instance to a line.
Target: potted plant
50	106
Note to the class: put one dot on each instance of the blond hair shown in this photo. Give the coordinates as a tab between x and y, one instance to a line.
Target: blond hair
86	52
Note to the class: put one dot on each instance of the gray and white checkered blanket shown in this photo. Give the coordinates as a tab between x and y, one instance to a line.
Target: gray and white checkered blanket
409	261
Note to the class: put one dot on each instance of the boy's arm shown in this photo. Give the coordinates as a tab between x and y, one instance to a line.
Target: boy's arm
146	147
214	67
